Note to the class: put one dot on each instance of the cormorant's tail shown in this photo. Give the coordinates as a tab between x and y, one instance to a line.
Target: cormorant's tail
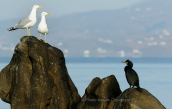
139	89
11	29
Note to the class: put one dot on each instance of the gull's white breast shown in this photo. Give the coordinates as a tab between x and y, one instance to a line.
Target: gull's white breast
42	28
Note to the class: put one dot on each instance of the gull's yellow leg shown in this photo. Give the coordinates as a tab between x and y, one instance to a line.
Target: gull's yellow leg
29	32
45	38
39	37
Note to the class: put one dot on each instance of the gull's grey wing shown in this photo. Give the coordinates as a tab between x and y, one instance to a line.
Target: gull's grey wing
22	23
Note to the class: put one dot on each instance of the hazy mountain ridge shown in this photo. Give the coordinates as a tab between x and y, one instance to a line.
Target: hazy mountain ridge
140	30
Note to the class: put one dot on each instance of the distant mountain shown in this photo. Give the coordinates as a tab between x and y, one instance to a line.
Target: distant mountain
142	30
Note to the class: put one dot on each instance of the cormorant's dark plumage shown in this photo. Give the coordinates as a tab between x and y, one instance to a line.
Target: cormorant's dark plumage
131	75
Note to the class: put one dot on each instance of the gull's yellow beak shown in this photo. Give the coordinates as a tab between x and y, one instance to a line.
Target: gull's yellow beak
39	7
48	14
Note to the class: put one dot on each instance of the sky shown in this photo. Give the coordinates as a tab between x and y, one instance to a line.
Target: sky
13	9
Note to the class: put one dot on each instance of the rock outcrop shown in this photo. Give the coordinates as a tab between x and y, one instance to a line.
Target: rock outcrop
106	94
133	99
99	93
37	78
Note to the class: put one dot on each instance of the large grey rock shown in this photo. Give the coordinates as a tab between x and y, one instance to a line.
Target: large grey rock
99	93
37	78
133	99
106	94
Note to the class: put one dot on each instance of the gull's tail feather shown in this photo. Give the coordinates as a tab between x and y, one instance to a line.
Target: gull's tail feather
11	29
139	89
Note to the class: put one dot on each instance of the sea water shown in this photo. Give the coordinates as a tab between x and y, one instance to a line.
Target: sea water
155	76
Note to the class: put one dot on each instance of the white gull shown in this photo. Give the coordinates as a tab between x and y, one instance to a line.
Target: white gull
42	27
27	22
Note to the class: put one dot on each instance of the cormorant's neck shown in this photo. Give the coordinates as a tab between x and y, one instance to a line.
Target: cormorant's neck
131	66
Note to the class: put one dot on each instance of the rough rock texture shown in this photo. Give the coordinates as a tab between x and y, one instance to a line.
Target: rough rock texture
37	78
99	93
133	99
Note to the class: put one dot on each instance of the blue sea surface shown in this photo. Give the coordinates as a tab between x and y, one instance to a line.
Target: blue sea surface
154	74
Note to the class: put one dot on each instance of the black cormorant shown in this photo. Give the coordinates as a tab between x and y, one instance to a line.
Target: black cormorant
131	75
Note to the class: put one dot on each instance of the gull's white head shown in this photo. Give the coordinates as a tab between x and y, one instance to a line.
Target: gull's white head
37	6
44	14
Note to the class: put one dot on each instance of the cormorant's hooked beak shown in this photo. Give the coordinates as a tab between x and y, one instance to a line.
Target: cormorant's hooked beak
124	62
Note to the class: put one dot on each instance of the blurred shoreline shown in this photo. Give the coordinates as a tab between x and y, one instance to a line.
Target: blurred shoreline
4	59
